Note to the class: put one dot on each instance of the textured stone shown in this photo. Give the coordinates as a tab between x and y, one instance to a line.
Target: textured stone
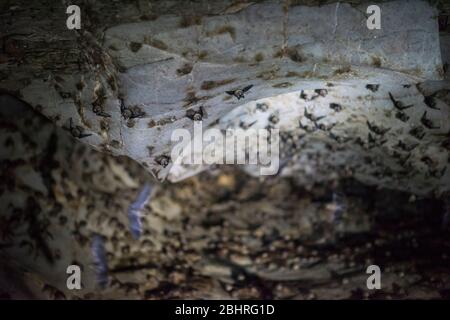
164	59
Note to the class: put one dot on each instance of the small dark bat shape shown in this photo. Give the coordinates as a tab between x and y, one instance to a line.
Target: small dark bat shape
131	112
245	125
77	131
321	92
239	93
377	130
427	122
417	132
337	138
402	116
430	102
324	127
137	114
311	117
372	87
405	147
336	107
374	142
307	128
303	95
103	114
398	104
97	109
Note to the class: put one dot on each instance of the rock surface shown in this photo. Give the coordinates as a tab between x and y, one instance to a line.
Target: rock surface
158	60
365	184
218	235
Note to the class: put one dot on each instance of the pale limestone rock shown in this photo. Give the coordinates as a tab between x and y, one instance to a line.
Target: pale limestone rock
165	58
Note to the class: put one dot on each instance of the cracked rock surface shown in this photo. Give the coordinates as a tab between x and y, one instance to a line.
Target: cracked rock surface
133	73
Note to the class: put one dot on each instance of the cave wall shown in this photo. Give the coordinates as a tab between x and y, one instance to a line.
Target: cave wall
161	59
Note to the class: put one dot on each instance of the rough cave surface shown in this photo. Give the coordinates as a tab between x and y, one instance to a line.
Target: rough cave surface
222	234
218	235
164	59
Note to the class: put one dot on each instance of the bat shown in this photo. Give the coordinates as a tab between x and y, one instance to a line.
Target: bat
430	102
427	122
135	209
77	131
239	93
398	104
372	87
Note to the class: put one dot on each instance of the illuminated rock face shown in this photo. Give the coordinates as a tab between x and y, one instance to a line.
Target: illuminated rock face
359	134
131	75
198	232
155	63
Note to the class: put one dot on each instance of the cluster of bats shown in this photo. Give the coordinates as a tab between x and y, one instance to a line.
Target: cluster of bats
136	207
